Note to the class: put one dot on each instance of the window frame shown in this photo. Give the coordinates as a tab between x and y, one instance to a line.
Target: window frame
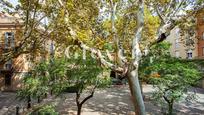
189	54
9	39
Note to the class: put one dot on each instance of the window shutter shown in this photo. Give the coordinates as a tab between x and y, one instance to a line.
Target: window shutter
12	40
6	40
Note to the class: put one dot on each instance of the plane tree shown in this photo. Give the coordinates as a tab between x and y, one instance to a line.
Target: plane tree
169	13
79	23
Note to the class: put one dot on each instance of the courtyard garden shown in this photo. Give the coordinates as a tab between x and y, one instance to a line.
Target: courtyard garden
101	57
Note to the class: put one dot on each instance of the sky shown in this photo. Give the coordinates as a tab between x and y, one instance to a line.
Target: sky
14	2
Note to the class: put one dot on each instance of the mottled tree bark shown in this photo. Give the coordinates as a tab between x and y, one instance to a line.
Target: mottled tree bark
134	86
133	68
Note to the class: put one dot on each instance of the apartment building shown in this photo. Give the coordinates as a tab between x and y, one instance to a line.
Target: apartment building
180	47
12	70
200	32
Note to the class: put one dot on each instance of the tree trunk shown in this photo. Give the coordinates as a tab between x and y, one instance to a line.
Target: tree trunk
38	99
134	86
79	104
141	87
170	108
79	109
29	103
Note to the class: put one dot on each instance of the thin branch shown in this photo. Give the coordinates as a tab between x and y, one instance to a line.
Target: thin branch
160	15
90	96
176	10
166	99
169	5
60	2
27	17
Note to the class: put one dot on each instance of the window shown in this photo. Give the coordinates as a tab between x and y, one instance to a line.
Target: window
7	79
9	39
8	65
189	54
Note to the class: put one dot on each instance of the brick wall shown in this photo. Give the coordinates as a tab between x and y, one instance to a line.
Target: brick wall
200	33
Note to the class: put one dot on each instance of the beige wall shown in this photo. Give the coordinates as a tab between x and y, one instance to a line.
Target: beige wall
178	47
6	18
21	63
16	82
8	24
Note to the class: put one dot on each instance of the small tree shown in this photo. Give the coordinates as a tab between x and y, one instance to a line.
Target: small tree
32	88
86	75
172	77
63	74
34	85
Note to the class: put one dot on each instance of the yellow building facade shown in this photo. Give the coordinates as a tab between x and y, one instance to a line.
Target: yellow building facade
179	47
12	71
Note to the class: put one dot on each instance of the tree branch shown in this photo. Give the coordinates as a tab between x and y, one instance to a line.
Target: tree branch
169	6
88	97
159	14
165	30
166	99
136	52
176	10
60	2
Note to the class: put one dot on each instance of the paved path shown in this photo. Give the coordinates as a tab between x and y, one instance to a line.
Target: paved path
114	101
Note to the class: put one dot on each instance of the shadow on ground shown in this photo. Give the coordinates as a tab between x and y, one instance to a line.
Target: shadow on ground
111	101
